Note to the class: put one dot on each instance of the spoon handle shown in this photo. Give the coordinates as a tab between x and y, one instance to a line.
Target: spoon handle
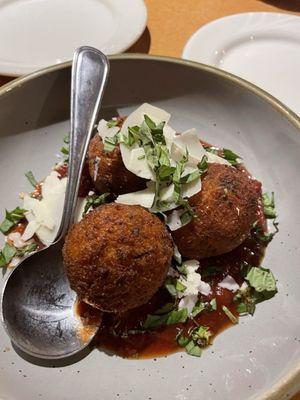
89	75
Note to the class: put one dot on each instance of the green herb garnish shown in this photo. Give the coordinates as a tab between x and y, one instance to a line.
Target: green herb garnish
29	175
197	339
269	205
94	201
111	123
198	308
173	317
230	156
229	314
11	219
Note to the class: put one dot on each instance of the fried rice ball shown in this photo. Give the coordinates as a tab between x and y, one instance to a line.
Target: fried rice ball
108	171
117	257
226	208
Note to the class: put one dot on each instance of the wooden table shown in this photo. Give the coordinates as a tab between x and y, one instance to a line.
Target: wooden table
171	23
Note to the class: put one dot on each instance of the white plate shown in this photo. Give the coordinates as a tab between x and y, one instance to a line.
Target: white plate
38	33
263	48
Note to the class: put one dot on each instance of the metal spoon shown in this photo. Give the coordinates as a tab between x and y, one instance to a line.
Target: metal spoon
37	302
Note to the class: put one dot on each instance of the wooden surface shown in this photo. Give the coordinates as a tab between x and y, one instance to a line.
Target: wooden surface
171	23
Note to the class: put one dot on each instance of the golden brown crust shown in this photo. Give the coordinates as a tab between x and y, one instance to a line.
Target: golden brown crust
117	257
226	208
112	175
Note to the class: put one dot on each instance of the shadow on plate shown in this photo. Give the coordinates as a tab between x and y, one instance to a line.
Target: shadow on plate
142	45
290	5
63	362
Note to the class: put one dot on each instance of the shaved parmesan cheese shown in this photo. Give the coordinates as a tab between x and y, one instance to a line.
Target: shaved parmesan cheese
145	197
177	255
191	188
30	230
137	117
166	194
81	203
193	286
130	155
188	302
138	164
173	220
47	212
215	159
189	142
106	132
96	167
169	134
16	239
229	283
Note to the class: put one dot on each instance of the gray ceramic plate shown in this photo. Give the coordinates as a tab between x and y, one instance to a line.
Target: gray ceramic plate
259	358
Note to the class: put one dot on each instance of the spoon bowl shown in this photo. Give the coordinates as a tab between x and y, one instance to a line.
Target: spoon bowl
38	306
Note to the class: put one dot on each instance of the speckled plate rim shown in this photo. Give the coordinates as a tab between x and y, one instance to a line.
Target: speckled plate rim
290	383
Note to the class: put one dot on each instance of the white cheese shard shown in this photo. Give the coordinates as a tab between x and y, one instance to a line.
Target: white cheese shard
138	164
177	255
137	117
105	132
169	134
16	239
229	283
81	203
189	142
144	198
173	220
193	286
96	168
215	159
47	212
191	188
166	193
188	302
30	230
139	167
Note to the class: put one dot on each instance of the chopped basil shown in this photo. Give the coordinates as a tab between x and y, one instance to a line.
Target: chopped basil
141	157
213	150
197	339
110	143
210	270
246	301
262	281
229	314
7	254
165	308
198	308
203	165
94	201
170	286
111	123
29	175
190	177
231	157
165	172
269	205
265	236
29	248
213	304
193	349
186	218
67	138
173	317
65	150
11	219
151	124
